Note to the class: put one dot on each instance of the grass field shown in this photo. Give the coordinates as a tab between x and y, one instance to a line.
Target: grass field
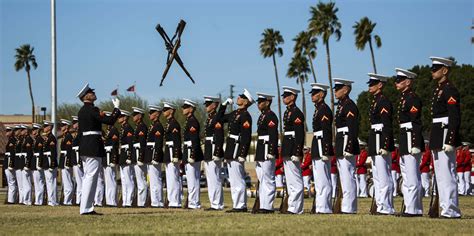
16	219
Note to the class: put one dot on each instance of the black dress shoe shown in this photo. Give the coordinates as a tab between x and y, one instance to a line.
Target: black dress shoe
92	213
399	214
380	214
175	207
234	210
265	211
211	209
450	218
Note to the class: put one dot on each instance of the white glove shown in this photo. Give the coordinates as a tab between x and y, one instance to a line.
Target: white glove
154	162
448	148
139	163
190	160
324	158
175	160
228	101
66	167
128	162
295	159
79	165
214	158
383	152
39	168
116	102
415	151
26	168
347	154
270	157
9	168
112	165
50	169
241	159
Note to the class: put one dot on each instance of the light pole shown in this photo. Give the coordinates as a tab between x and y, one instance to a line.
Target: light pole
53	65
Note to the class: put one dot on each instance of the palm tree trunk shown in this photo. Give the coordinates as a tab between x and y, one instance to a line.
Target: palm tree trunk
312	68
331	89
31	97
373	57
278	93
303	101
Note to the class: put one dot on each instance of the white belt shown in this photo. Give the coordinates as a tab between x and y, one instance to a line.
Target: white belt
47	153
233	136
7	154
76	148
64	152
342	129
136	145
210	138
108	148
36	154
125	146
18	154
188	143
377	127
91	133
290	133
407	125
264	138
151	144
318	134
169	143
443	120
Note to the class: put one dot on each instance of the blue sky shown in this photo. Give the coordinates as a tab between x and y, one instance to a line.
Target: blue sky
113	42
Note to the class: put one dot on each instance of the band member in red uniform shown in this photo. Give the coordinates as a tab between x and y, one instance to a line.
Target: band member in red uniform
361	170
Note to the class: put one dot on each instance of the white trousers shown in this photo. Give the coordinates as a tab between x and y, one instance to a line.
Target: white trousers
334	184
99	192
463	183
128	184
51	186
38	181
306	182
267	188
214	184
445	172
425	183
294	182
193	175
92	167
142	186
27	187
395	176
110	186
467	178
411	187
237	184
68	185
173	185
361	185
78	176
156	185
279	181
383	184
322	185
19	181
12	185
346	167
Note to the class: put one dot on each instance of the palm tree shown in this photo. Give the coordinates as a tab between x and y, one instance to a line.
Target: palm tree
299	69
24	57
269	46
363	34
306	45
324	23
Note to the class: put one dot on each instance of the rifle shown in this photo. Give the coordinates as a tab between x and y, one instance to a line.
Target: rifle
173	49
434	204
336	207
313	208
284	201
256	204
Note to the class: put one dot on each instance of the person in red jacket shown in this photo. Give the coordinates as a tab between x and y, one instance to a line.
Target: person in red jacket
361	170
467	168
334	175
395	170
425	170
306	168
460	169
471	158
279	170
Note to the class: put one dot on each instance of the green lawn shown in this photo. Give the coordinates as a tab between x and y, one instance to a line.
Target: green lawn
16	219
